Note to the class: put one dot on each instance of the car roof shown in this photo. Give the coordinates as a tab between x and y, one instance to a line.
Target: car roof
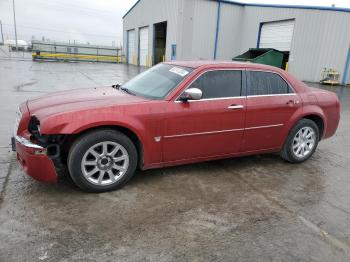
226	64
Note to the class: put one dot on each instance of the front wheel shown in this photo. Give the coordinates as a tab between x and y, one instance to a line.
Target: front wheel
102	160
301	142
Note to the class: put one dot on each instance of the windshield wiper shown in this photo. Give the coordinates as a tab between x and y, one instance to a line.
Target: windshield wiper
127	91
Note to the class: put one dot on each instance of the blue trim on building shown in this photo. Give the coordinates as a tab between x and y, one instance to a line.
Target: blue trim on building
346	69
217	29
259	34
324	8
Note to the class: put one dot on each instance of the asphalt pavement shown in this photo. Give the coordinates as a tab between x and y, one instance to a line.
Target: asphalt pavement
257	208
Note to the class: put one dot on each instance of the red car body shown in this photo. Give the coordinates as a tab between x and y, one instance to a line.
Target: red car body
170	132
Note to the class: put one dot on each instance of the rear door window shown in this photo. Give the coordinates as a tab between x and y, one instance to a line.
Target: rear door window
219	84
266	83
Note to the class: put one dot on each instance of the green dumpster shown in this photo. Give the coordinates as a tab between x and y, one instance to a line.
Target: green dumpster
266	56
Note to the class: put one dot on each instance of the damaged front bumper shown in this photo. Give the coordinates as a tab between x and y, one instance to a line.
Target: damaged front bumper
34	160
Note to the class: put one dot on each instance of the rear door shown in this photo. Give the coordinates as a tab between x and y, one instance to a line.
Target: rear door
211	126
270	104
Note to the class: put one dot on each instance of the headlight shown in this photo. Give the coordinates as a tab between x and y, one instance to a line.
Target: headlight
18	119
34	126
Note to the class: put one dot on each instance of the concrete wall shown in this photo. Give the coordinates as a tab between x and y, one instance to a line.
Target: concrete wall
321	38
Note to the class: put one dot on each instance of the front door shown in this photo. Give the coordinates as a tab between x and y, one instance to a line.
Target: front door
271	102
211	126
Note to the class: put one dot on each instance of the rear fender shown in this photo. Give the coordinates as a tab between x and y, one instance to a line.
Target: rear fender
302	113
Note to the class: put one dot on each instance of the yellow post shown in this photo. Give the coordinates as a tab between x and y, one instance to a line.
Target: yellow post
163	58
286	67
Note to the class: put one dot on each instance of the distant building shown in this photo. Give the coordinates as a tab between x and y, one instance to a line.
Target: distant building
44	50
314	37
21	44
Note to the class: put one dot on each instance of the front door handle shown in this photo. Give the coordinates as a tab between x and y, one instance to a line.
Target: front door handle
293	102
235	107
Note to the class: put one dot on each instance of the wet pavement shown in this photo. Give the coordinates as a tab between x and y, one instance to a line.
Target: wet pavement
256	208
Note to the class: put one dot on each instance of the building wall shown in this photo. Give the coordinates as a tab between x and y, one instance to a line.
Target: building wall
230	31
203	29
147	13
321	38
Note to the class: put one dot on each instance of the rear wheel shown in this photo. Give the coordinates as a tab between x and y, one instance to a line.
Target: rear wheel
301	142
102	160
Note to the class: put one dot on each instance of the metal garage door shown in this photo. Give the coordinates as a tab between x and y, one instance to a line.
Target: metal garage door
143	46
277	35
131	47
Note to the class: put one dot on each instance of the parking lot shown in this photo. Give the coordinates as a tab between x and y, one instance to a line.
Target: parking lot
256	208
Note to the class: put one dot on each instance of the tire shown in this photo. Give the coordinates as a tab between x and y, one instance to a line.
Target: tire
298	141
102	160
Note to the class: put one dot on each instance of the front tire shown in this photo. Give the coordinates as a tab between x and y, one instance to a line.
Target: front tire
301	142
102	160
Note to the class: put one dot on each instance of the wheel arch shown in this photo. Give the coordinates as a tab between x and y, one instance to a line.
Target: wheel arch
318	121
130	133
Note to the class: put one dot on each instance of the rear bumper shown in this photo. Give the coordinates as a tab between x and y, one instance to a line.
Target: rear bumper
33	160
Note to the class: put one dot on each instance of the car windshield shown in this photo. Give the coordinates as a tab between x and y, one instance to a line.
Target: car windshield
157	82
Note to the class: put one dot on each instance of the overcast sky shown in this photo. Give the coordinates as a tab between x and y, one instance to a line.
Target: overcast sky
93	21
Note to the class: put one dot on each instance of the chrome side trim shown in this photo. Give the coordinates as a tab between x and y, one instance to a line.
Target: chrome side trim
205	133
258	127
25	142
222	131
289	94
211	99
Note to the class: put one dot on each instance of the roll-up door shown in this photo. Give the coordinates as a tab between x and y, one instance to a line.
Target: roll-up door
131	47
143	49
277	35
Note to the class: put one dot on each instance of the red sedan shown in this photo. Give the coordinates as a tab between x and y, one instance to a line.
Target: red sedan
174	113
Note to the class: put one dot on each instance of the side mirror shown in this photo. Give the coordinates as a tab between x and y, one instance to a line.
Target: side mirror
191	94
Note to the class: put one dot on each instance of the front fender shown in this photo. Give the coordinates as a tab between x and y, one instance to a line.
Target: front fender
78	122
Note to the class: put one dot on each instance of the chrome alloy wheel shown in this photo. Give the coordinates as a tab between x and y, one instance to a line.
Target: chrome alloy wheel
105	163
304	142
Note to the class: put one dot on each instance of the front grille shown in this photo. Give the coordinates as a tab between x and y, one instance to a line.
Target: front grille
18	119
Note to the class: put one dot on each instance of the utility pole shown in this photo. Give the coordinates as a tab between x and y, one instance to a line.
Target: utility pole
14	22
2	34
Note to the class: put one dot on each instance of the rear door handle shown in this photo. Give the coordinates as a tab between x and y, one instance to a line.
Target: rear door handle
235	107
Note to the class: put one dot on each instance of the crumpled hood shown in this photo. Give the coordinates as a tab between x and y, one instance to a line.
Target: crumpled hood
79	99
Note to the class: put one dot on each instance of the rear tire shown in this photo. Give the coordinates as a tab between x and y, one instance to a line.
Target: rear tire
301	142
102	160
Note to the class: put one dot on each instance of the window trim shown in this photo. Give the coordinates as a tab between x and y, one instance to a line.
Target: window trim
243	85
269	71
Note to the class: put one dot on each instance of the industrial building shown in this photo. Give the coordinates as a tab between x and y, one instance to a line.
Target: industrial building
314	37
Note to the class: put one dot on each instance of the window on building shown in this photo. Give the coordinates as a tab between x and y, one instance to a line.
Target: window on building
266	83
220	83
